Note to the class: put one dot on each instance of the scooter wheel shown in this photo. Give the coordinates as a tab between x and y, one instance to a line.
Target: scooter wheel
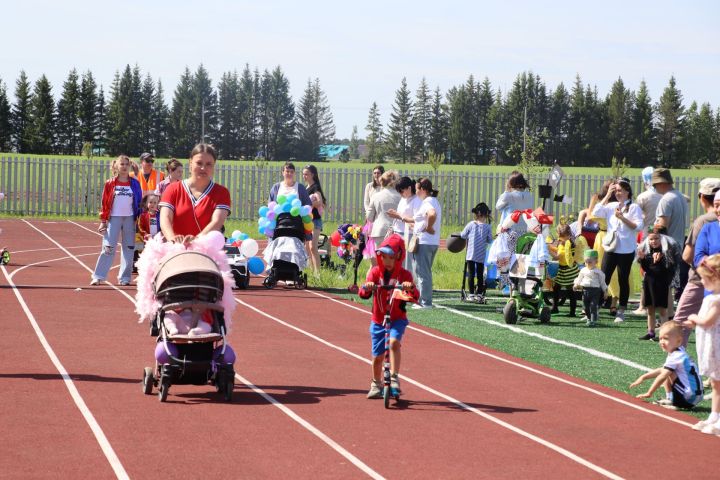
386	396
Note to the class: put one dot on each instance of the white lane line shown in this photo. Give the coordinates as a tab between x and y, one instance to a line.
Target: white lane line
497	421
512	328
519	365
15	252
332	443
78	260
44	262
315	431
72	389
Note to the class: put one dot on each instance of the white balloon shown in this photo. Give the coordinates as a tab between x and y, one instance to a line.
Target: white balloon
249	247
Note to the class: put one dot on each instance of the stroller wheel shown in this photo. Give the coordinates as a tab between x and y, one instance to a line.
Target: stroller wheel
163	392
301	282
228	390
269	282
148	381
545	315
510	312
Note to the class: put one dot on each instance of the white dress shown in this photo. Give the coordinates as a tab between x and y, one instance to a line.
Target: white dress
707	342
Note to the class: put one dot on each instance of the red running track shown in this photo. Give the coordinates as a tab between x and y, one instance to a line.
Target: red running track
466	414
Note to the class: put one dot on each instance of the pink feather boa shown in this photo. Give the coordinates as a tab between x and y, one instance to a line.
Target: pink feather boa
157	248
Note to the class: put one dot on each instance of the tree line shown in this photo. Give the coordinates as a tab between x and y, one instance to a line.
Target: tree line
252	114
474	123
247	115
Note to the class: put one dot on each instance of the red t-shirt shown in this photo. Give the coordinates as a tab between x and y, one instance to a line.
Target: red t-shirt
192	215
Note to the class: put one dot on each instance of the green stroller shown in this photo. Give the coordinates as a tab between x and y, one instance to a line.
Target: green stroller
526	281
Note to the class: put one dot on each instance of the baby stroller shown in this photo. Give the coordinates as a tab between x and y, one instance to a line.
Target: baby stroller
189	280
286	253
526	281
238	266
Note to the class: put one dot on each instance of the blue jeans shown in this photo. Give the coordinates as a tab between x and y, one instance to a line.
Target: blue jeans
116	227
424	258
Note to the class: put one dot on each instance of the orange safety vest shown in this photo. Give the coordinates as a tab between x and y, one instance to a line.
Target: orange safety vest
149	185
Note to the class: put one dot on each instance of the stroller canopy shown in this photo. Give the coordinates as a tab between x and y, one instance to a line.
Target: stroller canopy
189	270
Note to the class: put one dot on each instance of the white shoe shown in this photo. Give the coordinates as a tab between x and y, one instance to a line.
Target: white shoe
701	424
375	390
640	312
711	428
619	317
94	282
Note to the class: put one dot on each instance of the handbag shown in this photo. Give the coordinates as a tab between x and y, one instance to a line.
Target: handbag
610	241
413	244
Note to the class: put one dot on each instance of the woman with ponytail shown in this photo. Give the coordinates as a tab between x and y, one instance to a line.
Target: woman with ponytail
428	219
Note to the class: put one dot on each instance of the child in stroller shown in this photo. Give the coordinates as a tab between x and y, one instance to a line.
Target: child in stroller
286	254
186	292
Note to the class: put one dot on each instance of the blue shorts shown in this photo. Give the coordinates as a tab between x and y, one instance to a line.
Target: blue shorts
317	224
377	335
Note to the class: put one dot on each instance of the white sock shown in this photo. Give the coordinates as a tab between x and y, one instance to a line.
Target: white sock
714	417
669	396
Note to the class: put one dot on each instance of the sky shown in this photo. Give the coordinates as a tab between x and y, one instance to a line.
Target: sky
360	51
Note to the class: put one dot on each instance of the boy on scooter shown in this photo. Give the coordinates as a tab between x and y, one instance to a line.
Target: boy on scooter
388	271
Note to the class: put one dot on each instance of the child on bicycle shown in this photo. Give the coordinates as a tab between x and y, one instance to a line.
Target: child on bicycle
478	234
388	271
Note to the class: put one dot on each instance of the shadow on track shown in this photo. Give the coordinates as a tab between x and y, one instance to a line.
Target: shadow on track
76	377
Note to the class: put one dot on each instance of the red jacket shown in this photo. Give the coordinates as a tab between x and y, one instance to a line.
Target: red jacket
143	223
397	276
108	197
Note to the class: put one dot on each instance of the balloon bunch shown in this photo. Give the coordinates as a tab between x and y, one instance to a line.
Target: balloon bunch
285	204
248	247
345	238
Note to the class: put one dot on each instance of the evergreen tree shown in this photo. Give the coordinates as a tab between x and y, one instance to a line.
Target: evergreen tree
87	115
21	114
101	122
643	131
281	112
354	143
160	119
558	125
68	116
228	93
137	115
42	118
670	126
183	122
700	132
577	126
313	122
205	97
716	135
597	149
399	134
120	132
620	119
375	138
498	120
526	112
461	130
5	123
438	142
421	120
486	128
247	115
146	133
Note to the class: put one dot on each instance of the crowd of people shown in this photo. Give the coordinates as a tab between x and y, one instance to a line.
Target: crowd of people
595	253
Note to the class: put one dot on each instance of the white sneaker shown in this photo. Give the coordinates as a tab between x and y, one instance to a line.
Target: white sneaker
375	389
711	428
640	312
701	424
94	282
619	317
417	306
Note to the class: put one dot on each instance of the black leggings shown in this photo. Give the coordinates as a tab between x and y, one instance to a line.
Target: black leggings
623	262
475	269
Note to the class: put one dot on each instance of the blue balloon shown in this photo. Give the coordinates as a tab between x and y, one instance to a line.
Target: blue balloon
279	209
263	211
245	236
263	222
261	230
291	198
286	207
305	210
296	203
271	225
255	265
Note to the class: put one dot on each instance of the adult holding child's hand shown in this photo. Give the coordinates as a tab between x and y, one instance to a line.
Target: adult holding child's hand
196	205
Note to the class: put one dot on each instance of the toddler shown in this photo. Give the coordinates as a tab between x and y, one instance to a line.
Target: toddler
678	375
147	225
591	280
707	338
189	321
568	271
657	257
388	271
478	233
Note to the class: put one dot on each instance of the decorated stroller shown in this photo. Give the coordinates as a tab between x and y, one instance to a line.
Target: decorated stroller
286	254
187	284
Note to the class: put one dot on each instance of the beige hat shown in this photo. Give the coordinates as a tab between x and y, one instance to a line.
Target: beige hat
708	186
661	175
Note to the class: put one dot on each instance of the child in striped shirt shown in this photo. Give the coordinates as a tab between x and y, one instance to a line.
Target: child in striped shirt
478	234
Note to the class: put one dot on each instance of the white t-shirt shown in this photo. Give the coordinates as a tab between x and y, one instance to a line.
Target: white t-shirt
123	203
420	216
285	190
627	237
406	208
687	377
154	227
